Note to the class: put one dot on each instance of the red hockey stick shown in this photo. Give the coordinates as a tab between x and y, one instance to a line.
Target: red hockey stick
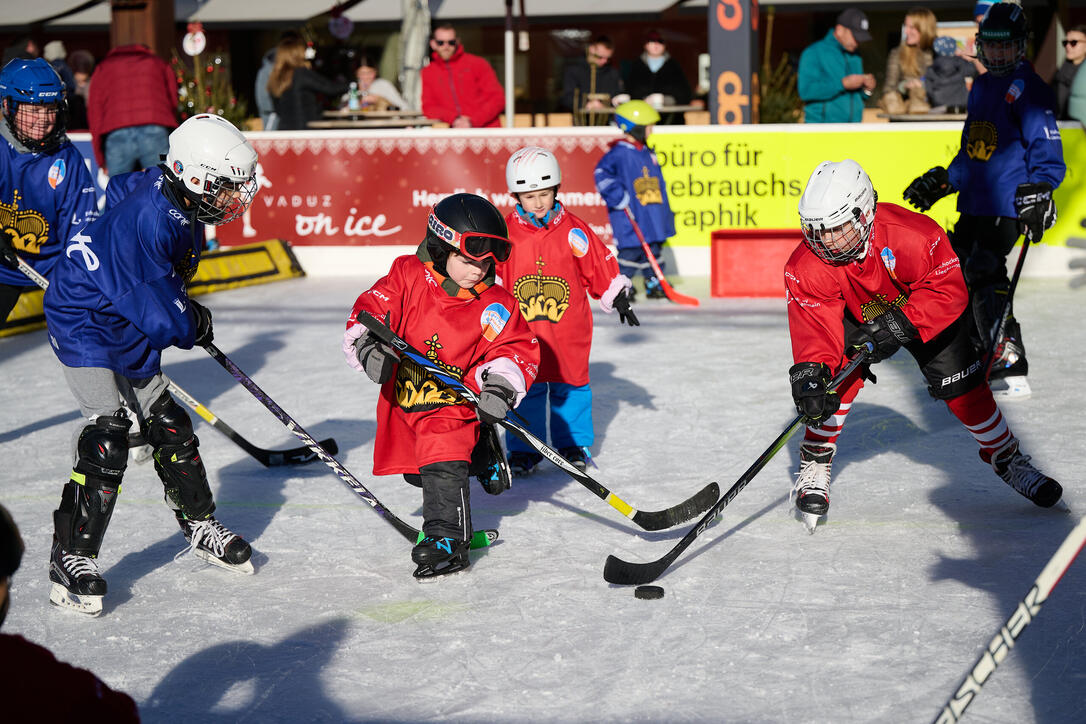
668	290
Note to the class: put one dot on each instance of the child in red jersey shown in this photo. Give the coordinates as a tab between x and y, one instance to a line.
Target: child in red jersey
880	273
556	259
443	301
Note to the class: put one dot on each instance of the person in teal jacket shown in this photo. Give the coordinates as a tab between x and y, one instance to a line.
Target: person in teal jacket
832	83
1076	103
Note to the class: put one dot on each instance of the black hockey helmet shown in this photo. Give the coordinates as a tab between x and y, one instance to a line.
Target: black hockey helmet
1001	38
467	224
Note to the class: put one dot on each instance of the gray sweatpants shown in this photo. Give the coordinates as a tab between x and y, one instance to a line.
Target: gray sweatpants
99	391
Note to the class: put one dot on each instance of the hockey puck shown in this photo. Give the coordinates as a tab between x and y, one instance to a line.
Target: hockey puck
649	592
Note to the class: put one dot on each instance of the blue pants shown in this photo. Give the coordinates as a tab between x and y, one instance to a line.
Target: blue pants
632	259
570	416
135	148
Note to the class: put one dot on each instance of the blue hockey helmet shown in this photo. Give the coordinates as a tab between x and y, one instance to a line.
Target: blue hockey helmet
33	86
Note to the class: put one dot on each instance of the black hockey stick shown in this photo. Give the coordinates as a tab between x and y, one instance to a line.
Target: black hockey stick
1004	312
1026	610
480	538
623	572
647	519
267	458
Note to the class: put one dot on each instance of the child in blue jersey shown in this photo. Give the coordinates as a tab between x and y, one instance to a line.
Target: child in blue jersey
628	177
116	300
46	192
1010	161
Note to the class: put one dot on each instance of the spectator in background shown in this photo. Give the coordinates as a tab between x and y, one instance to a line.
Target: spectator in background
904	90
1074	48
592	83
948	78
56	53
657	78
265	104
969	50
33	677
1076	101
131	109
832	83
459	88
373	93
24	47
82	65
295	87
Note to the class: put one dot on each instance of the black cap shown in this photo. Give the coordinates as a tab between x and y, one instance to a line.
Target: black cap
11	544
855	20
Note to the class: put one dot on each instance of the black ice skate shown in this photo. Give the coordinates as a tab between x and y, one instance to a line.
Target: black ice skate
488	463
1016	471
1009	365
812	488
578	456
653	289
213	542
77	585
439	557
523	463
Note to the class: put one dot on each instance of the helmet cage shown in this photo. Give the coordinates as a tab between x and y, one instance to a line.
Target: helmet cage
211	163
34	105
1000	56
475	245
841	244
224	200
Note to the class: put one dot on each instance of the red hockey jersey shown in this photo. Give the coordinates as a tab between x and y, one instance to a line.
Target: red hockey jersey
420	421
909	264
548	271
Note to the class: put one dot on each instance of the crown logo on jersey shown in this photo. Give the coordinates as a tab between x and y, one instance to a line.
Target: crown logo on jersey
542	297
417	391
879	305
647	188
26	230
980	144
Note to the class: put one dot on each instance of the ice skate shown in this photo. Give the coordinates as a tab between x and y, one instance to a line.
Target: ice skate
653	290
77	585
523	463
439	557
1016	471
213	542
812	489
1010	366
578	456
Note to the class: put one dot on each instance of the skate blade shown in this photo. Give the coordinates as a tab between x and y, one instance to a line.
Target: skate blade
426	573
810	520
1011	388
61	597
246	567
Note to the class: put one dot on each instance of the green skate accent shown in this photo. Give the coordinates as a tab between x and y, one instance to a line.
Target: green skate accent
479	539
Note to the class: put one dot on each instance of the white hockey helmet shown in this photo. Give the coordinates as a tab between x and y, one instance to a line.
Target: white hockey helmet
837	211
532	168
212	164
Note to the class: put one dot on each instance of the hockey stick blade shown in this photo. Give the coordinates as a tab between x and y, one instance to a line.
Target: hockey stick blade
648	520
669	291
626	573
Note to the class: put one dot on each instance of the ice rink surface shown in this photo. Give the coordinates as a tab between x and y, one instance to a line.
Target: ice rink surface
875	618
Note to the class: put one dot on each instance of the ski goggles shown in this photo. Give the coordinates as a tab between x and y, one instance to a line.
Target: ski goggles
473	244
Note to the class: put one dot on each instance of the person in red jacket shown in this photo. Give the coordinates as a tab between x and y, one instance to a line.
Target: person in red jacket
459	88
885	275
557	262
33	677
443	301
131	109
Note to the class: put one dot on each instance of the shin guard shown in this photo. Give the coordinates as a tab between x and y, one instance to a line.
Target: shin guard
177	460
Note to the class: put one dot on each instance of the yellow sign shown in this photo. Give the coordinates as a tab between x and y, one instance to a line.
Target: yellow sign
735	179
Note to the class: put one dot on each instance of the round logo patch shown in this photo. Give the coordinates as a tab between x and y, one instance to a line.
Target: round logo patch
178	167
493	321
578	241
57	172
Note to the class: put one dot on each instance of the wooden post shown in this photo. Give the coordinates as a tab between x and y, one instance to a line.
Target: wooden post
149	22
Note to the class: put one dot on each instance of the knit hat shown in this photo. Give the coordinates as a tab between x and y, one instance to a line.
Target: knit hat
54	50
945	46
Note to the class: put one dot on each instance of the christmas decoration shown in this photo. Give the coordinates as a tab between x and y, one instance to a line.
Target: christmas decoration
205	87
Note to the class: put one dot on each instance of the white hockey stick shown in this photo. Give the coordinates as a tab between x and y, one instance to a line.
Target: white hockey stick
1027	609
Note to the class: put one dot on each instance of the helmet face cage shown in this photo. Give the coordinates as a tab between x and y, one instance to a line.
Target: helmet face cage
224	200
475	245
837	211
1001	40
34	105
531	169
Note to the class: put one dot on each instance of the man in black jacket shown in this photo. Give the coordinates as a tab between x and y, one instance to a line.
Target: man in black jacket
591	84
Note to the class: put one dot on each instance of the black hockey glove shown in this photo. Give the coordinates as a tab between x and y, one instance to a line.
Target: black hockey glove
625	314
925	190
378	360
813	400
7	251
205	331
887	332
1036	209
496	398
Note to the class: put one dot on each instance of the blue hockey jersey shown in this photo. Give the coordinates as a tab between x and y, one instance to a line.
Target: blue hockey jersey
115	300
1010	137
629	173
44	199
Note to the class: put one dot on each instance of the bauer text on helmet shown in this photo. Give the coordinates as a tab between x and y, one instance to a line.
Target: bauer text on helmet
532	168
837	210
214	166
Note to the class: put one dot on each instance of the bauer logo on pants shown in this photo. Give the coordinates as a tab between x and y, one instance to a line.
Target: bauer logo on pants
493	321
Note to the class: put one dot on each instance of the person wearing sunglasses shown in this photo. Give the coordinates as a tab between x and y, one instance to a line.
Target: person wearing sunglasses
459	88
443	300
592	83
1074	50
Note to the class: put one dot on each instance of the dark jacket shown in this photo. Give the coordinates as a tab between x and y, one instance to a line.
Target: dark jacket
577	83
1065	76
669	80
945	78
298	105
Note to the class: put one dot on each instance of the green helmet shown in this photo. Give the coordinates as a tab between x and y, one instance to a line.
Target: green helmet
632	114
